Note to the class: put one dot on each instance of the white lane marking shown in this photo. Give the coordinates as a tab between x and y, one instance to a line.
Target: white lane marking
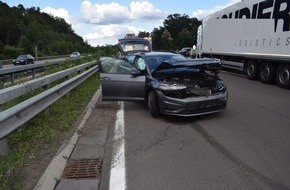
118	169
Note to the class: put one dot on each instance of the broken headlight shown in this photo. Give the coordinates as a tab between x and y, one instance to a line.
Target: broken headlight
172	86
220	86
174	90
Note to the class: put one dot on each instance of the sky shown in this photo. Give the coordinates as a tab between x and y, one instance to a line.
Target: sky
103	22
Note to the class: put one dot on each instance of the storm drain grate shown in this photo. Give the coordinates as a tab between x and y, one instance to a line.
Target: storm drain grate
86	168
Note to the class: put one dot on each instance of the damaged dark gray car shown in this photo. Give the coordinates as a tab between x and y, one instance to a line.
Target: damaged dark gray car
167	82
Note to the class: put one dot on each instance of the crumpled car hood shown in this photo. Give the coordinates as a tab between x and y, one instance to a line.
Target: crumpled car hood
210	64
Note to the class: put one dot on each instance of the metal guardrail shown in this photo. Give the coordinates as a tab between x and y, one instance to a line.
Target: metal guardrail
19	114
15	91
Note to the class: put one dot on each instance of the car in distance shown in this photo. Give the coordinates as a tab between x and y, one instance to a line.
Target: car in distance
74	54
167	82
23	60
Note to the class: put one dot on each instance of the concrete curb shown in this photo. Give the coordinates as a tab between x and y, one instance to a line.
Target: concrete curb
57	165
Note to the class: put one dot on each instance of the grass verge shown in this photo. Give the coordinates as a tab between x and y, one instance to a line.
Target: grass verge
41	132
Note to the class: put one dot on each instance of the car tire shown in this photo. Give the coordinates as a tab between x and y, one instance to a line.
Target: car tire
283	76
153	104
267	73
252	70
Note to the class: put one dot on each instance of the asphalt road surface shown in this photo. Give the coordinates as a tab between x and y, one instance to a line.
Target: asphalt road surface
245	147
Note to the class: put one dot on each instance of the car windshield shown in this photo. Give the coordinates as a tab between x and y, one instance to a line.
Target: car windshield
156	60
21	57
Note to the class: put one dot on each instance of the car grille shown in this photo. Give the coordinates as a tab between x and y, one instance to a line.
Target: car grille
189	92
199	110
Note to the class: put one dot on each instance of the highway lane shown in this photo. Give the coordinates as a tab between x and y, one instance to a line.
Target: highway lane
245	147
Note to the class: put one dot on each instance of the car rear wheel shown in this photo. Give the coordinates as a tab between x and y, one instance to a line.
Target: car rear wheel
153	105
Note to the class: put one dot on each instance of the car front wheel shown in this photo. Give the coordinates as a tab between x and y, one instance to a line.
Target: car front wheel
153	104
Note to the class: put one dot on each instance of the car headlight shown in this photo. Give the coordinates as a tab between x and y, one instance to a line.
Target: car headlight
172	86
220	86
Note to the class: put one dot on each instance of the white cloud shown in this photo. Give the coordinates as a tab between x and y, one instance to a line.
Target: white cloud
114	13
200	14
112	20
62	13
109	34
145	10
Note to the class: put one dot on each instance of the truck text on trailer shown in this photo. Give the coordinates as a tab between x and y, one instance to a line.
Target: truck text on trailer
252	35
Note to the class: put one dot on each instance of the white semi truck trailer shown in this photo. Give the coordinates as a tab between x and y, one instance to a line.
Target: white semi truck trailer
252	35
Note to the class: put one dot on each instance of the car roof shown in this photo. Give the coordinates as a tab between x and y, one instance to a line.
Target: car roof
156	53
132	39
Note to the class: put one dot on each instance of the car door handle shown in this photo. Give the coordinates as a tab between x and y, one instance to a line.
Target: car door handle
106	78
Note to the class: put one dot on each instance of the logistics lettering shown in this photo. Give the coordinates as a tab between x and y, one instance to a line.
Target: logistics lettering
263	42
279	10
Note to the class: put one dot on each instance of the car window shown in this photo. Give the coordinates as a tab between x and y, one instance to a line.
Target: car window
115	66
130	59
21	57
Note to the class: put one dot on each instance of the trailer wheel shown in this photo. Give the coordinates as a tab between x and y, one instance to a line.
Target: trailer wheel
153	104
283	76
267	73
252	69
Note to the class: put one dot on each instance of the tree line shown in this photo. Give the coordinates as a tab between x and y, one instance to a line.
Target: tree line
178	31
29	31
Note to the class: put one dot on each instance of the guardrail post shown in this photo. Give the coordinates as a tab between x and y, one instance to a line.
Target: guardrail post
1	65
12	78
68	93
47	110
3	142
3	147
33	73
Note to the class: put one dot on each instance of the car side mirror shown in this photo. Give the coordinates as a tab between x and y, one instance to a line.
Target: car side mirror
135	72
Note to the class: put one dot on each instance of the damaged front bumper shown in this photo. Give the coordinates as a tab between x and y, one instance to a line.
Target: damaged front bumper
192	106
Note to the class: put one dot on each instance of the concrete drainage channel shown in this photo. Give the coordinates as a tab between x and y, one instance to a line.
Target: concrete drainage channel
78	164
